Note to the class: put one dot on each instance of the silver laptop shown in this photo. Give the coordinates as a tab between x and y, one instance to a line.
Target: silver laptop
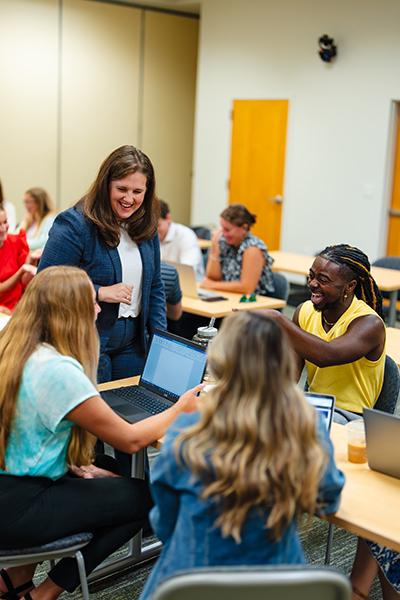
173	366
324	404
383	441
187	280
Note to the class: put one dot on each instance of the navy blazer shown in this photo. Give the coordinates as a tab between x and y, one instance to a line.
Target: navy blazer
74	240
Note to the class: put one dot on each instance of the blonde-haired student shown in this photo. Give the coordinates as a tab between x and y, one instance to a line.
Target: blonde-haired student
232	478
50	413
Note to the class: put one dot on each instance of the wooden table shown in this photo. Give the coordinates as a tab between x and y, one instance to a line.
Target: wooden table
388	280
222	308
393	343
370	500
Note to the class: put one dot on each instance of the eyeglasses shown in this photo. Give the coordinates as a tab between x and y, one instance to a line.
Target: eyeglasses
249	298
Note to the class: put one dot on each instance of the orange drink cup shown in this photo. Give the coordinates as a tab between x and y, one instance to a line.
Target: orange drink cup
356	444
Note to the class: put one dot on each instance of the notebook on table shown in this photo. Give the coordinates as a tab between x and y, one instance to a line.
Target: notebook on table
173	365
382	431
324	404
188	283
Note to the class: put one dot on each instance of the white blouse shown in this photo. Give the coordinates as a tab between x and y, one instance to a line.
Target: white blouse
132	273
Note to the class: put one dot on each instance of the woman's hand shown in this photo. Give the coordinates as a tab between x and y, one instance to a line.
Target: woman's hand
34	257
116	294
209	284
188	401
90	472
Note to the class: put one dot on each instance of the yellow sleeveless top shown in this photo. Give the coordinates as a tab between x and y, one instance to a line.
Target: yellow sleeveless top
355	384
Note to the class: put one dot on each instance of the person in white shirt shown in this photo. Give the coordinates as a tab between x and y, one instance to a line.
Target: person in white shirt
10	211
178	243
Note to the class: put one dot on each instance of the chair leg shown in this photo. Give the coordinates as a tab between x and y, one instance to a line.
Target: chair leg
82	575
329	545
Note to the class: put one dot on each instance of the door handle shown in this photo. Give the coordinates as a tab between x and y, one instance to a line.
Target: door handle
278	199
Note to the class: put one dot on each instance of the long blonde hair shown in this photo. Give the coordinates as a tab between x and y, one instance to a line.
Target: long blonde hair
255	444
44	207
57	308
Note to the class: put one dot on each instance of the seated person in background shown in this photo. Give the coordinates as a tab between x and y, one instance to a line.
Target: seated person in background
9	208
50	412
15	272
173	293
39	217
238	261
339	333
372	559
178	243
232	479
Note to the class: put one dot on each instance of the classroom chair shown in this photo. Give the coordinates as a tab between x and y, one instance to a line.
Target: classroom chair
303	582
68	546
388	262
281	286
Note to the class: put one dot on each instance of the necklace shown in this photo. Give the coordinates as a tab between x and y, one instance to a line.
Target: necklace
327	322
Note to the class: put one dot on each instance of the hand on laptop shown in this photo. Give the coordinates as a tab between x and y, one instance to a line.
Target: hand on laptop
188	401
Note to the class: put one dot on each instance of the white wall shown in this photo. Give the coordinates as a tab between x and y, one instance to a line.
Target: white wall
338	143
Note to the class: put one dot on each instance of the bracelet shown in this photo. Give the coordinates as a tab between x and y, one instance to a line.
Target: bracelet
214	257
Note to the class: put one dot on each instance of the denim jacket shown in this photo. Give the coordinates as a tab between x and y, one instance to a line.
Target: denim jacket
185	522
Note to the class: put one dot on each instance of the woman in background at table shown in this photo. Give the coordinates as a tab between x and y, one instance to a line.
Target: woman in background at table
111	233
39	217
15	270
238	261
50	412
232	479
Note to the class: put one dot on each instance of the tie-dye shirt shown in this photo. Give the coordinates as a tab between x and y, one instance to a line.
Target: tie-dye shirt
52	385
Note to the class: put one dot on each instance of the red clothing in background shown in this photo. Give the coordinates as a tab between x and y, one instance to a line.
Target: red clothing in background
13	254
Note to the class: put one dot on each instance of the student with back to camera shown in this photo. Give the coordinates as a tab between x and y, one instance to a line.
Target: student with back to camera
50	411
232	478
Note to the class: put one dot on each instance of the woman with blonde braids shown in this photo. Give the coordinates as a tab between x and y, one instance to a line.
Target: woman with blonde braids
232	478
339	333
50	411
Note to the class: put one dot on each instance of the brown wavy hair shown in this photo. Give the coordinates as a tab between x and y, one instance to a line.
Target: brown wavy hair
57	308
239	215
142	225
255	444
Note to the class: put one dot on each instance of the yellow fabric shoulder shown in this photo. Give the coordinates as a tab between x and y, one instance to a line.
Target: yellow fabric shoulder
355	384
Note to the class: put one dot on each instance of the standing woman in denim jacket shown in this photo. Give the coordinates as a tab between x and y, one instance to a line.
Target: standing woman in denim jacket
111	233
232	478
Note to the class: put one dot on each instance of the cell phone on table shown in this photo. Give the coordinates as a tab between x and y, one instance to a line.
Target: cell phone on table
214	299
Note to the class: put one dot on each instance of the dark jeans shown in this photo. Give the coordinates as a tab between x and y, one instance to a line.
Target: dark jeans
120	351
38	510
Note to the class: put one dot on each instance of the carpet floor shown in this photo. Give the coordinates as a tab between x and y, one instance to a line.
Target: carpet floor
129	584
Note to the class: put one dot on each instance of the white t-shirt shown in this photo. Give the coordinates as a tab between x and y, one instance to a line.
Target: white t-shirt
181	246
11	215
132	273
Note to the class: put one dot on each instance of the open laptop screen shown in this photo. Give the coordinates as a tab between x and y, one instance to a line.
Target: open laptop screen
324	405
173	365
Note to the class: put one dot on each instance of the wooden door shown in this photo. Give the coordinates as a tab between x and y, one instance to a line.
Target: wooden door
258	163
393	239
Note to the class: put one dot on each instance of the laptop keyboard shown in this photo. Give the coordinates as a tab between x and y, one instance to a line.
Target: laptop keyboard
134	395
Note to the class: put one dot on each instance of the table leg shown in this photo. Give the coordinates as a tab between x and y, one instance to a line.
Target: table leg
136	553
392	309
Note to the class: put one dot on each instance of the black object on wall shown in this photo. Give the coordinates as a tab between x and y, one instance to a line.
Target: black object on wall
327	48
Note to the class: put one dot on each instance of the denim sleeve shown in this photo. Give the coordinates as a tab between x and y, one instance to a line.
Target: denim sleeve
165	495
158	314
65	245
333	479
